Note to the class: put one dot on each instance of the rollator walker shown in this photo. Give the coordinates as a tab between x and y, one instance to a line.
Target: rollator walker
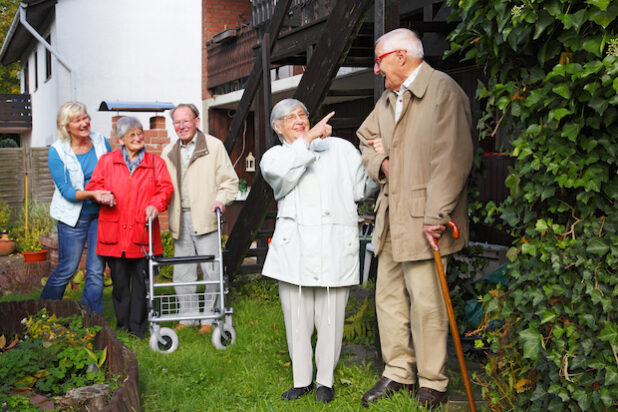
165	307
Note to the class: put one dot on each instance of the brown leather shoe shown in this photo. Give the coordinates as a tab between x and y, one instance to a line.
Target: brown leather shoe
431	398
384	388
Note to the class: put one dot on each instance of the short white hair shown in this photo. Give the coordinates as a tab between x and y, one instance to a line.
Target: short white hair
282	109
403	39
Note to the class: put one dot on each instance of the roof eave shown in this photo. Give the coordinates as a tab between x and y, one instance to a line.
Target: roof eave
9	36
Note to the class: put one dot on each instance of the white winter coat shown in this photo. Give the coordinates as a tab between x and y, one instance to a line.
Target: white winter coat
316	241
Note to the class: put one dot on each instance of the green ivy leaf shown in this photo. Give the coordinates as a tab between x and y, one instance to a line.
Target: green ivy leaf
559	113
574	20
601	18
601	4
532	343
599	104
562	90
529	249
545	20
570	131
548	316
593	45
541	226
597	246
611	375
609	333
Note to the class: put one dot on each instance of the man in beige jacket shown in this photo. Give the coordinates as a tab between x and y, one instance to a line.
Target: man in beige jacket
417	144
204	180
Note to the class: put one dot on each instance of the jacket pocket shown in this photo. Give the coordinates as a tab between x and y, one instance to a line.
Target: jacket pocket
108	232
416	202
140	232
285	230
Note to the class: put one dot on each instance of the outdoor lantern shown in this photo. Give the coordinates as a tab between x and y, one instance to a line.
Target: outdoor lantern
250	163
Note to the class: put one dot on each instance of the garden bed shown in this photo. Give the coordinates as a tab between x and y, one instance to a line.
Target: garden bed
120	362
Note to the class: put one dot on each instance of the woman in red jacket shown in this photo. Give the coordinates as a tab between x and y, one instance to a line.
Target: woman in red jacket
142	189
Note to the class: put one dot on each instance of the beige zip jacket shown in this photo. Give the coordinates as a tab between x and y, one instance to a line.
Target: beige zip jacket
430	153
210	177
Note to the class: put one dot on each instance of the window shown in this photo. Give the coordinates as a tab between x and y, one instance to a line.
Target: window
48	60
36	74
26	77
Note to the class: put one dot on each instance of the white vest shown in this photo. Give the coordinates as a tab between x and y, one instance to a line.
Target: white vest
62	209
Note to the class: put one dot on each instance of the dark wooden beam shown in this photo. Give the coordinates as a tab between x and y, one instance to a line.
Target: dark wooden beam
281	10
386	19
330	52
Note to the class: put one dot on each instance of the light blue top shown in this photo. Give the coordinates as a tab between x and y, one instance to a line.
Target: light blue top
70	173
60	175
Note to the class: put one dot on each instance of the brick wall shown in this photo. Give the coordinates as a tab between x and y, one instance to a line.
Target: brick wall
217	16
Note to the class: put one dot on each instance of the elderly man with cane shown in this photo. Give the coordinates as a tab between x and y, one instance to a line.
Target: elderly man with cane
417	144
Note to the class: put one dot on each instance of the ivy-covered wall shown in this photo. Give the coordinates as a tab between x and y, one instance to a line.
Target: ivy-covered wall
552	91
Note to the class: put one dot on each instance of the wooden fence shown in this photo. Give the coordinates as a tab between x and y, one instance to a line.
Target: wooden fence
15	164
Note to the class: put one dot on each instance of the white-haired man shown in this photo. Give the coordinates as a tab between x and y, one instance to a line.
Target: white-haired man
204	180
417	144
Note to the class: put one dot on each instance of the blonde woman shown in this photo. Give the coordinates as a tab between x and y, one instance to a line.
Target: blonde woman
71	161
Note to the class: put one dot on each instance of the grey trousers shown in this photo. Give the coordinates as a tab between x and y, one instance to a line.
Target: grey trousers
318	308
187	245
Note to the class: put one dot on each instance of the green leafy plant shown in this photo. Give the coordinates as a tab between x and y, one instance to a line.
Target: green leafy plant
5	216
39	223
8	143
53	355
552	93
167	243
242	185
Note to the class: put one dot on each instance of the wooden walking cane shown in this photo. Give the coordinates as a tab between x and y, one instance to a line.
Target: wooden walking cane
451	314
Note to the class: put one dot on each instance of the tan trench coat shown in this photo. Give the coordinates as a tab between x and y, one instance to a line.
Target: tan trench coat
430	151
210	176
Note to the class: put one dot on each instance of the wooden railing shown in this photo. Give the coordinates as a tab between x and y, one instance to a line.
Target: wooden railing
231	54
15	112
301	11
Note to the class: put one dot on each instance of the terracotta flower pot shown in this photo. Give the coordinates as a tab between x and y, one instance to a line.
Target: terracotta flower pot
6	247
39	256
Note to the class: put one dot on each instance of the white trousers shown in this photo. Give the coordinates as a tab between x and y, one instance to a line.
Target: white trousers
316	308
189	244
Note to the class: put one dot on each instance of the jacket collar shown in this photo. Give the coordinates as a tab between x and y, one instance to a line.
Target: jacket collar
418	86
201	149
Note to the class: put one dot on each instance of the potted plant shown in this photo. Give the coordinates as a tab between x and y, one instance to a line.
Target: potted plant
243	190
7	246
27	236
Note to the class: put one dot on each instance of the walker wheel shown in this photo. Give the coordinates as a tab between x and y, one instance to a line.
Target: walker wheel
223	335
169	341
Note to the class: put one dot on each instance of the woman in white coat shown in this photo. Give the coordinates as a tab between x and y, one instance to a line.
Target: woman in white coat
317	180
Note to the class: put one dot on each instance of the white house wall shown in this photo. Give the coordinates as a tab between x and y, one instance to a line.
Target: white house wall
137	50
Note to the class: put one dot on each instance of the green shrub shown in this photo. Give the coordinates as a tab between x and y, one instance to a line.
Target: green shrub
39	223
53	355
8	143
552	92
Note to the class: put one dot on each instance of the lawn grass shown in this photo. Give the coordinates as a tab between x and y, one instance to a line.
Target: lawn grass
250	375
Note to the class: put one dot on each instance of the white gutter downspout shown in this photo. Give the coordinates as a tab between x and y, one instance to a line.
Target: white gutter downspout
22	20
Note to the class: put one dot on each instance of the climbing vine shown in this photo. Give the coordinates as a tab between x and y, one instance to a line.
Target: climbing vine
552	93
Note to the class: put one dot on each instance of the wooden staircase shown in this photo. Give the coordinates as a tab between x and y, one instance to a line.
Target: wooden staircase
327	55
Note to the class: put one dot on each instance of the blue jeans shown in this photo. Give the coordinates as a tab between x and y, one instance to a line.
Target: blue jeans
71	242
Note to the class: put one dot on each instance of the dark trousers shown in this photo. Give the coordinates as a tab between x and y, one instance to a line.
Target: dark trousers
129	293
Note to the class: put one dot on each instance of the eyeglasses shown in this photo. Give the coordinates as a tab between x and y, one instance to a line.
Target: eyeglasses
379	58
181	123
292	117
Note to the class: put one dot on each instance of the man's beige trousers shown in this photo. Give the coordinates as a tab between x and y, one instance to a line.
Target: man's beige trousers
412	320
